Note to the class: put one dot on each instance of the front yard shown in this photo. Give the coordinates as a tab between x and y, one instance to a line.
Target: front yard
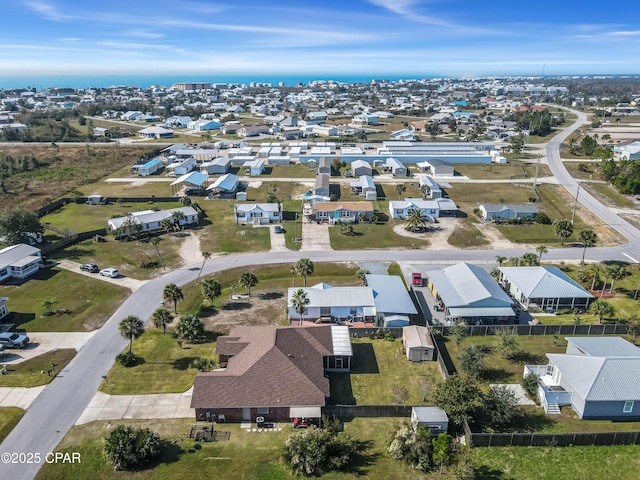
37	371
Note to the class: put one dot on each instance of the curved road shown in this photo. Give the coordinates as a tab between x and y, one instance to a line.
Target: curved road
61	403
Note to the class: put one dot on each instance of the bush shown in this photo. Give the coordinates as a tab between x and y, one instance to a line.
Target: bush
316	451
127	359
203	364
127	447
530	384
542	218
413	448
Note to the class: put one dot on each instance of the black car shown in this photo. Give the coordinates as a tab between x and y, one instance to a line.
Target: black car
89	267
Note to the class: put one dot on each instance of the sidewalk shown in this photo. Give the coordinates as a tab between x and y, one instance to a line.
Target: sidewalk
20	397
43	342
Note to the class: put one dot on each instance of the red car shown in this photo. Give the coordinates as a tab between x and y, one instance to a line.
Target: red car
299	422
416	279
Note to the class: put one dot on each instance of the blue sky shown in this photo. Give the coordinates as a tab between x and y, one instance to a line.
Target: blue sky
380	37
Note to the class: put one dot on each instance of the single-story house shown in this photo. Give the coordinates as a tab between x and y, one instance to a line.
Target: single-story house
226	184
200	154
156	132
395	167
258	213
433	419
19	261
131	115
252	130
324	166
4	308
403	134
360	168
365	187
182	167
418	343
277	373
254	167
178	121
384	301
203	125
216	166
151	221
433	189
436	168
230	128
546	288
148	168
324	130
400	209
339	212
148	118
322	185
467	293
599	377
192	183
99	131
500	211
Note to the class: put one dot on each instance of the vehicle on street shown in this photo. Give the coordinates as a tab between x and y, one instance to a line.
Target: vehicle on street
110	272
13	340
89	267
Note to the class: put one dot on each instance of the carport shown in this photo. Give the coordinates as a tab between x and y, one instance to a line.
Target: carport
305	412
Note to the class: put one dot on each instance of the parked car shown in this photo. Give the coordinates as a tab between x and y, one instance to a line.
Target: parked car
301	422
278	229
416	279
13	340
89	267
110	272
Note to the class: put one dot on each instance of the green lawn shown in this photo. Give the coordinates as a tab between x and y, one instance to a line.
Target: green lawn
35	371
547	463
251	455
290	171
87	311
491	171
9	418
609	195
292	223
165	368
379	367
117	190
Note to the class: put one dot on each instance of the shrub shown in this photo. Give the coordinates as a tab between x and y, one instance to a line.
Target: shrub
316	451
127	447
542	218
413	448
530	384
203	364
127	359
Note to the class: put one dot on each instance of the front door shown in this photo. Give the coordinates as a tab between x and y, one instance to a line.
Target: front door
338	363
246	414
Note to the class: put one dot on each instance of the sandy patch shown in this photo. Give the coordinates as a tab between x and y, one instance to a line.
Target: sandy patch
262	308
437	234
190	249
497	240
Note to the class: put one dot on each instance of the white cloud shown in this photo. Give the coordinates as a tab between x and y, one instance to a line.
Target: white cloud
406	9
48	10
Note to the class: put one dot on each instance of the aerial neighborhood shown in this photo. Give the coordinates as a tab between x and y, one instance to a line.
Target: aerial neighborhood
265	281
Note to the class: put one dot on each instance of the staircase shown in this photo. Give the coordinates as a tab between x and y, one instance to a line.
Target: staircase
552	409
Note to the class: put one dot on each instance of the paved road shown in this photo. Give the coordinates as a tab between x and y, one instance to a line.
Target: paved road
62	402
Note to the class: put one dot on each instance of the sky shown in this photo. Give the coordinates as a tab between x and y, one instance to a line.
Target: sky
389	38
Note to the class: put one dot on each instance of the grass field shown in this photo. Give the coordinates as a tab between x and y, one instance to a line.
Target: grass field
115	190
609	195
467	235
35	371
9	418
88	311
378	236
251	455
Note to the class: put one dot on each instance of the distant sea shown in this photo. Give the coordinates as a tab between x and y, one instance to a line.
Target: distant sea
40	82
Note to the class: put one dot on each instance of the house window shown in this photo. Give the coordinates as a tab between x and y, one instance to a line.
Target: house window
628	407
263	410
353	311
550	370
325	311
339	363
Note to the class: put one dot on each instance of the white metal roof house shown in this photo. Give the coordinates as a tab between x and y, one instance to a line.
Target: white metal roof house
19	261
148	168
400	209
546	288
417	343
216	166
599	377
254	167
361	167
178	121
500	211
150	220
395	167
204	125
468	293
433	188
190	181
226	184
365	187
156	132
258	213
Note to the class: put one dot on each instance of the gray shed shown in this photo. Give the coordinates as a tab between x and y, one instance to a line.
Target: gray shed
433	418
417	343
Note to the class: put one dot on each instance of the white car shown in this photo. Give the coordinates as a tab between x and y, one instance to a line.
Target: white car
110	272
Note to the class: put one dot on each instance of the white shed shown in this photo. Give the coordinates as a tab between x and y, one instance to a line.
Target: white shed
433	418
418	343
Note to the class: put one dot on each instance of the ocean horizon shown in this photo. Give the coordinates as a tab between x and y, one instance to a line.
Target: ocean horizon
78	81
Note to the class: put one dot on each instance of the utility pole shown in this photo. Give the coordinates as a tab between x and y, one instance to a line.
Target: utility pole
535	176
575	205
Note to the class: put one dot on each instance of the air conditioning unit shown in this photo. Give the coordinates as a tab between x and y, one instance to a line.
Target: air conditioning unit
259	419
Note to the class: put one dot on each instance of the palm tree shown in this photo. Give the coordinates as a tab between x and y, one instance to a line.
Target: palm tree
248	280
166	224
400	188
205	256
500	260
616	272
131	327
416	220
515	261
185	201
161	317
588	238
541	249
596	270
361	275
602	309
177	217
155	241
562	229
293	276
211	289
173	293
234	288
304	267
189	328
530	259
299	301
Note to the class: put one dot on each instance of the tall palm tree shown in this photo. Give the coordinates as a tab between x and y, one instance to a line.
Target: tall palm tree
161	317
562	229
177	217
293	276
234	288
530	259
596	271
205	256
304	267
299	301
131	327
361	275
155	241
616	272
541	249
400	188
500	259
211	289
602	309
416	220
515	261
588	238
166	224
248	280
173	293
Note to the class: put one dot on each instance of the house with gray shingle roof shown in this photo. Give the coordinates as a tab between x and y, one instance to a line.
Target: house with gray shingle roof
546	288
272	372
599	377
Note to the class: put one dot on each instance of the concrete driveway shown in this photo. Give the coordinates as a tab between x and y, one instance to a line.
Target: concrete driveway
116	407
127	282
278	243
315	237
20	397
43	342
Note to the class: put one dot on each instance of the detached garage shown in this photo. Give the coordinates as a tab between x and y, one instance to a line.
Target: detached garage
418	343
